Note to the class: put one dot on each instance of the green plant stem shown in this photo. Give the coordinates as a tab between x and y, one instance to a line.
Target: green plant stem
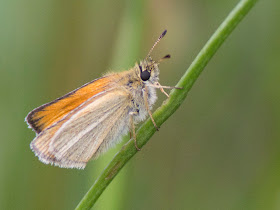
168	107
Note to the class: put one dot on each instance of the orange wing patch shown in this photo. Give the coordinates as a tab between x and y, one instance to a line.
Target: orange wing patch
48	114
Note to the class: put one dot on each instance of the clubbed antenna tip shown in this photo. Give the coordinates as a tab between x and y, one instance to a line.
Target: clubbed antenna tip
163	33
167	56
160	37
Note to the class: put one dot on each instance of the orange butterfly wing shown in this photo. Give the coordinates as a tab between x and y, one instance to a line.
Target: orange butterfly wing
46	115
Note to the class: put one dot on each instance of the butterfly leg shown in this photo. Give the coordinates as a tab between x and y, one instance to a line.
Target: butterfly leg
145	93
133	130
162	90
157	85
167	87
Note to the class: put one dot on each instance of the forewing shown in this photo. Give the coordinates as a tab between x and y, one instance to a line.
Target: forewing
88	131
40	145
46	115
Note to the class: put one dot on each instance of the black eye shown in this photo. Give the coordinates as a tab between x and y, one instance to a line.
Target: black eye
145	75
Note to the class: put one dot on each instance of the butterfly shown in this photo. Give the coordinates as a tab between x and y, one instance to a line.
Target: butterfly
86	122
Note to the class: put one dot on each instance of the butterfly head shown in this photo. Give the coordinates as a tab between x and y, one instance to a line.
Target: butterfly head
148	68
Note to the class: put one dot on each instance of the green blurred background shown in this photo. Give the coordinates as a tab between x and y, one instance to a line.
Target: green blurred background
220	150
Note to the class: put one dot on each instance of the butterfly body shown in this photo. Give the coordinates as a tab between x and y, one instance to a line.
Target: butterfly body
97	120
86	122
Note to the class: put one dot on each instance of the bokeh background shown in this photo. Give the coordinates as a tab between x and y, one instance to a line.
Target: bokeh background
220	150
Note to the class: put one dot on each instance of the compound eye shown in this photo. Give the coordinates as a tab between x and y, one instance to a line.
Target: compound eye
145	75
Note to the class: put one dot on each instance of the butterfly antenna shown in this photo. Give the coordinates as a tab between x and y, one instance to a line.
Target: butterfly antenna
160	37
165	57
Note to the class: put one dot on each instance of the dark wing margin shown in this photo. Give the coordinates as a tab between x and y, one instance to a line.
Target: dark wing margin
50	113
